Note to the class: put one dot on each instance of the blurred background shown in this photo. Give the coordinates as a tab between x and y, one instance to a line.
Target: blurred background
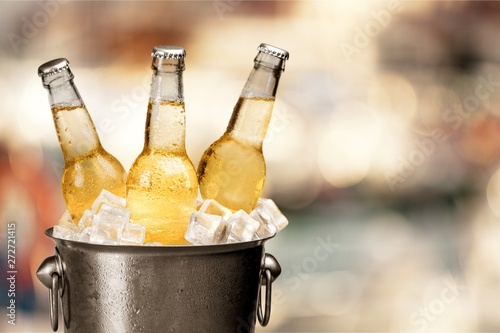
383	150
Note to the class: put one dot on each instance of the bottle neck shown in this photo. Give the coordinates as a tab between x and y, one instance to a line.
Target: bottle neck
262	81
75	130
62	91
252	114
166	83
166	119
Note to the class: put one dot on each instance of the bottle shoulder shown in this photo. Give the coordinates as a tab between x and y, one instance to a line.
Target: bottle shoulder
154	159
230	141
97	156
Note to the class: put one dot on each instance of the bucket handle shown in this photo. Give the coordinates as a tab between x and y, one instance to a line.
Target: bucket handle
50	274
270	271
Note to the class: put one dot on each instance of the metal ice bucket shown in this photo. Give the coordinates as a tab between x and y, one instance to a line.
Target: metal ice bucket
106	288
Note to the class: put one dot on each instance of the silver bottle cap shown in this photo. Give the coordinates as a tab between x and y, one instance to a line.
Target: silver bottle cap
53	67
273	50
168	52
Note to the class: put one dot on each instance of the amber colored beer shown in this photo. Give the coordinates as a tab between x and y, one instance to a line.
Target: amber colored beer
232	170
162	186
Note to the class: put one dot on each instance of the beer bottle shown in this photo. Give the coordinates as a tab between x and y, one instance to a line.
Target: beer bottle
232	170
162	186
88	168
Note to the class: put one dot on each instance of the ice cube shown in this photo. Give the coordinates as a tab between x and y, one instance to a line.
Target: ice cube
108	223
65	218
206	229
101	238
65	228
242	227
264	230
84	235
199	199
103	224
154	244
110	242
268	213
98	234
106	197
133	234
211	206
63	232
86	219
110	213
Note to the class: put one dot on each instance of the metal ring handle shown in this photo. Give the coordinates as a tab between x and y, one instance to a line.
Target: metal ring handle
54	304
264	319
270	263
270	271
50	266
51	275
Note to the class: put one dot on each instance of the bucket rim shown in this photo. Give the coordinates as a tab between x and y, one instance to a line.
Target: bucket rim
185	249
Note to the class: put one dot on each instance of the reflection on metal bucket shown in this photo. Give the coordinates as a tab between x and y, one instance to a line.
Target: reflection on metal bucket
106	288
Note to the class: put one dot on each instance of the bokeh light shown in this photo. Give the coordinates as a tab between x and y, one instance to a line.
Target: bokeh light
393	98
346	147
344	157
493	192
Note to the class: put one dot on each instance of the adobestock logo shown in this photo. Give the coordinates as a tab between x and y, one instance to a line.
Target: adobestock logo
363	36
122	107
482	93
407	166
280	120
32	24
429	312
455	117
223	6
293	277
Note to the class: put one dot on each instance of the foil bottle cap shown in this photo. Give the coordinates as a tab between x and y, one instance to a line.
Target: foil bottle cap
168	52
53	67
273	50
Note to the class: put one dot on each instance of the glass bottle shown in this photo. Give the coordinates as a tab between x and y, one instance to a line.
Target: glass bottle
232	170
88	168
162	186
